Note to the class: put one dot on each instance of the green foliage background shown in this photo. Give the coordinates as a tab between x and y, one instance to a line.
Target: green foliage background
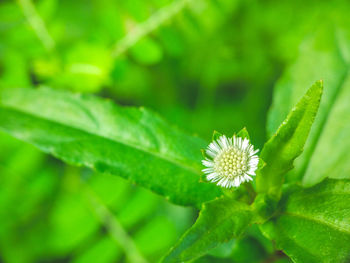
202	65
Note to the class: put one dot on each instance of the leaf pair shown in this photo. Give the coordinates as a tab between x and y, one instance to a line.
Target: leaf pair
224	219
313	225
310	225
218	222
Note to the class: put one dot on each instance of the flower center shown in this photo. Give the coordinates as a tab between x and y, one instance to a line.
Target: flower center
231	162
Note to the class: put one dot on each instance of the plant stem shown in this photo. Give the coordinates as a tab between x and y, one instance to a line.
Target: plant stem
148	26
115	229
36	23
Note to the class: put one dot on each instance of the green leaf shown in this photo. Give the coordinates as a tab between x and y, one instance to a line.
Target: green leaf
288	142
129	142
265	206
216	135
325	47
248	250
243	133
313	224
219	221
331	156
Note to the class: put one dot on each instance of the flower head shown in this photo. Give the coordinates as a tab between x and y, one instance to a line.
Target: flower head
230	161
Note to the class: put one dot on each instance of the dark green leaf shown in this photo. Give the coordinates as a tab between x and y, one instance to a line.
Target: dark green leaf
219	221
133	143
313	225
288	142
248	250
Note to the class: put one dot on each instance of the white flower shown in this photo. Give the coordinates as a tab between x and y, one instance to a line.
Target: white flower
230	161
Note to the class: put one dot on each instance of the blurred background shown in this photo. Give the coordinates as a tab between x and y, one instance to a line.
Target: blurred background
202	64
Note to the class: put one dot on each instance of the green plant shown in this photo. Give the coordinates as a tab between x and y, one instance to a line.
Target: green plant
82	194
138	145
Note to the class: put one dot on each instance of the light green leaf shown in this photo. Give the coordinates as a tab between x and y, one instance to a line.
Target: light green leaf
332	67
313	225
219	221
288	142
129	142
332	153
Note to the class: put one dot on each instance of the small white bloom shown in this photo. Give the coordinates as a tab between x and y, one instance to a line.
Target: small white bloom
230	161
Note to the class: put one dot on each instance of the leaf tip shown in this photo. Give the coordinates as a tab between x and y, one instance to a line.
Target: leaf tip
243	133
318	87
216	135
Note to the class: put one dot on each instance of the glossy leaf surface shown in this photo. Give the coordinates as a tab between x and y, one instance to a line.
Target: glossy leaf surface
129	142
